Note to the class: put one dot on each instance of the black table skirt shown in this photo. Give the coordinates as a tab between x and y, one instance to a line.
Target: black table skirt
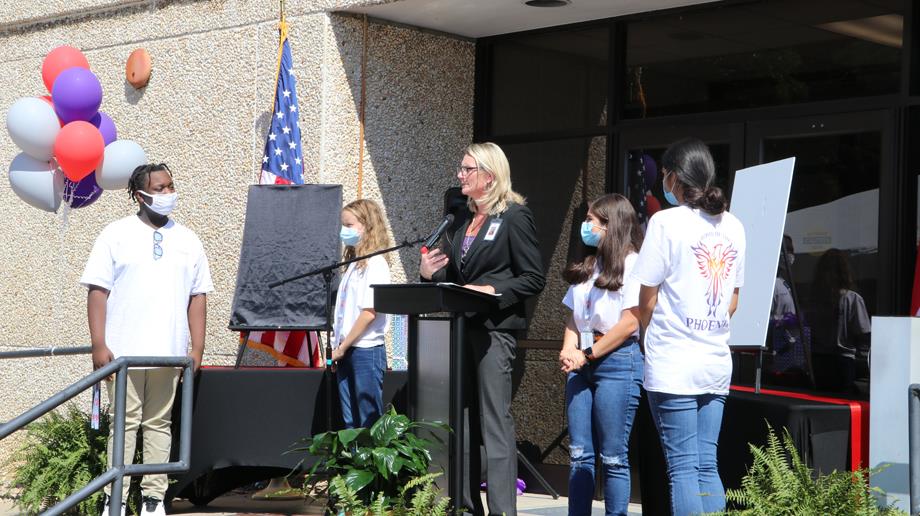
821	432
244	420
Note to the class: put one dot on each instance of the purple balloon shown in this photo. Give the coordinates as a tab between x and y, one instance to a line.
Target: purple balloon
106	126
650	170
82	193
76	95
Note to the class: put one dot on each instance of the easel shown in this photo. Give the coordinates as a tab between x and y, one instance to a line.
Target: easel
806	345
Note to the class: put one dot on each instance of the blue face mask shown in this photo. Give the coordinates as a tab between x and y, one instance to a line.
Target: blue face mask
669	196
349	236
589	237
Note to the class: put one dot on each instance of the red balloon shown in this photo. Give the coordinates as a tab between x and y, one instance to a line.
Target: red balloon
59	60
79	149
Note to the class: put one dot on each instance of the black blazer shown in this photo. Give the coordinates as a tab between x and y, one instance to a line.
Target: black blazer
509	261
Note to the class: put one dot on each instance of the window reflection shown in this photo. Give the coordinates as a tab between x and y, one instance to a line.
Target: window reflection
762	54
550	81
832	250
644	178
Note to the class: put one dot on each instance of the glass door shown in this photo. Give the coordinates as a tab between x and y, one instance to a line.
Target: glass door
640	150
839	253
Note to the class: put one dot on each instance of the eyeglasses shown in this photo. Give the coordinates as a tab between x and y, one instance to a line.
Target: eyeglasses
157	248
465	171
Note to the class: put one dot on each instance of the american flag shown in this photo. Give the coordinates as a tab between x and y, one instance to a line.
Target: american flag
282	164
282	161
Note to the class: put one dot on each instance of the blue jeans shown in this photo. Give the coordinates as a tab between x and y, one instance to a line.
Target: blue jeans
601	401
360	377
689	428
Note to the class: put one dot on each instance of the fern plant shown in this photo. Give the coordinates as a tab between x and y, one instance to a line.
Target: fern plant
779	483
423	498
419	497
60	455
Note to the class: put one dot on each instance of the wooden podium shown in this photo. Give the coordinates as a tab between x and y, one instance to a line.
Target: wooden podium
426	365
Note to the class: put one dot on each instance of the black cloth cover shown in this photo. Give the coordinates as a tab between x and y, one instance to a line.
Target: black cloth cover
820	431
244	420
290	229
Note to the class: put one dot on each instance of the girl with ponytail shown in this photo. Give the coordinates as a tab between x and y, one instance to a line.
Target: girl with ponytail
691	267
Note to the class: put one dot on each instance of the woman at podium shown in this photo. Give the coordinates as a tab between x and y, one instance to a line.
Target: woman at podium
494	251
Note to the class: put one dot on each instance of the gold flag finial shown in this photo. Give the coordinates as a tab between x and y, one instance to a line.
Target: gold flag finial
282	24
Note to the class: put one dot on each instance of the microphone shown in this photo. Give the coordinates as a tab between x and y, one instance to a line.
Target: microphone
434	237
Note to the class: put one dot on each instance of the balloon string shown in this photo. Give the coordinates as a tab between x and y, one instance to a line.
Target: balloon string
62	264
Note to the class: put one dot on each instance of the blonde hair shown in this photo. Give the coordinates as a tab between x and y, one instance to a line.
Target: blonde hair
375	236
490	158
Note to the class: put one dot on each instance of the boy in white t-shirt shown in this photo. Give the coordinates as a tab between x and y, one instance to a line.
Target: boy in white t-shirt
148	278
691	266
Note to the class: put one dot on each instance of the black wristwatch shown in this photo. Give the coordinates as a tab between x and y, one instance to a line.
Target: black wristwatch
589	354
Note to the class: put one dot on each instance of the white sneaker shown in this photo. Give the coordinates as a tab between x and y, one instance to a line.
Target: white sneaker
105	508
152	506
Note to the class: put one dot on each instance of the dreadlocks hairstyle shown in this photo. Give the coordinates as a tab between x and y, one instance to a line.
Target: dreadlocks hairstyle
375	236
623	236
141	176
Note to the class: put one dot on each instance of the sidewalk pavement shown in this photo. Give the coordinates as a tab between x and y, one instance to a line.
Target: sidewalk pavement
233	504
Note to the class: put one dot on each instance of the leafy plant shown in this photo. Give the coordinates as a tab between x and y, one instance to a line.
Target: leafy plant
424	499
419	497
779	483
372	463
61	454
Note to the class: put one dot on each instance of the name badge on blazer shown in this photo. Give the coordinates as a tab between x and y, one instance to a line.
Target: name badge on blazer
492	231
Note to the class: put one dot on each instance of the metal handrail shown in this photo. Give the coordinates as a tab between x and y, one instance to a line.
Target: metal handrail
913	414
116	473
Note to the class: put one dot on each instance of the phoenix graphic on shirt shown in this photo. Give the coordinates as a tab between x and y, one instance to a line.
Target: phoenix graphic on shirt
715	264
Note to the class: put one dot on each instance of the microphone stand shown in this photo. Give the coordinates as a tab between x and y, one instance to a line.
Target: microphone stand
327	271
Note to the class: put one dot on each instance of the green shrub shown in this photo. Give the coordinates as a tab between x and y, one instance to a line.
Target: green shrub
419	497
375	464
778	483
61	454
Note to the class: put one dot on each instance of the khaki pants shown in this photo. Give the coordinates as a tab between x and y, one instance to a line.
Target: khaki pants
148	406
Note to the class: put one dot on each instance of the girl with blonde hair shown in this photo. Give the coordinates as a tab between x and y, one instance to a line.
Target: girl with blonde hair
358	330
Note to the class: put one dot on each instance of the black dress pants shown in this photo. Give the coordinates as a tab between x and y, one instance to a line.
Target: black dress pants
488	421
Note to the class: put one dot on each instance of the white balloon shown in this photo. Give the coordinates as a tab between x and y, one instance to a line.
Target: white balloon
33	126
37	182
119	161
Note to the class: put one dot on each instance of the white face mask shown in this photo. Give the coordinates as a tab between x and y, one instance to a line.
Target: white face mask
163	204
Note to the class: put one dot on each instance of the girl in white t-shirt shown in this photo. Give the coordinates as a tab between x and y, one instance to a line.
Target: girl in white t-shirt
358	330
601	354
691	266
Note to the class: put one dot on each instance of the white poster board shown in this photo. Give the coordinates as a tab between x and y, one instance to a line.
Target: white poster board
760	197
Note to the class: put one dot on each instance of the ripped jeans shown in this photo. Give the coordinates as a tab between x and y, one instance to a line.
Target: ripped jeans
601	401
